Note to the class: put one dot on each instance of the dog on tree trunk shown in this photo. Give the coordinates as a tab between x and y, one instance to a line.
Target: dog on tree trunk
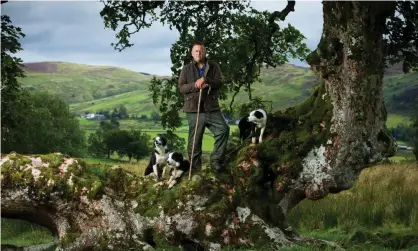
158	158
177	166
251	123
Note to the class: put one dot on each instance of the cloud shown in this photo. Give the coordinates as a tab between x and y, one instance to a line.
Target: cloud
73	31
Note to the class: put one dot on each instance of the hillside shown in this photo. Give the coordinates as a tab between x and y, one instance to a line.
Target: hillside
93	88
401	93
76	83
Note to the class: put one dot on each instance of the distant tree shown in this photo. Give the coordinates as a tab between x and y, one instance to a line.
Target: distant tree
48	127
111	141
115	122
120	140
115	113
95	145
155	116
138	146
144	117
123	113
106	114
109	125
32	122
403	132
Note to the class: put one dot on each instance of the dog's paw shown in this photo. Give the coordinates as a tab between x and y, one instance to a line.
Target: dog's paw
158	184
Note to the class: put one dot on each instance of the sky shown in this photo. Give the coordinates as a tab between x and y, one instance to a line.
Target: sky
73	31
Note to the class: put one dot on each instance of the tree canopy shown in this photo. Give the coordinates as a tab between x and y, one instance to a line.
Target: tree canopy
31	122
239	38
10	71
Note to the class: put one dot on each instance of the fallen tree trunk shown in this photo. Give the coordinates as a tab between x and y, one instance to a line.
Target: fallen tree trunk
90	207
111	209
315	148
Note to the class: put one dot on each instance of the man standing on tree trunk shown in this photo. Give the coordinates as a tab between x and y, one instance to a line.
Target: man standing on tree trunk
206	75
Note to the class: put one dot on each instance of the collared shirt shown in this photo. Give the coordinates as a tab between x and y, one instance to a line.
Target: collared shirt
202	74
202	71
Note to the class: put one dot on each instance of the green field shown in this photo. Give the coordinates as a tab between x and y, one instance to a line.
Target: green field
89	88
396	119
93	88
76	83
136	102
152	129
400	92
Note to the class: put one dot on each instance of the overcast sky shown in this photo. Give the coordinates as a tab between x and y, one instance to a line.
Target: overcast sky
73	31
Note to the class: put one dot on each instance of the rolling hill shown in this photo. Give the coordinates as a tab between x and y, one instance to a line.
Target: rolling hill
401	93
76	83
93	88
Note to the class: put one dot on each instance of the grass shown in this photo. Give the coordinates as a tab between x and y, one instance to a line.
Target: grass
403	155
400	92
23	233
76	83
379	213
136	102
384	196
396	119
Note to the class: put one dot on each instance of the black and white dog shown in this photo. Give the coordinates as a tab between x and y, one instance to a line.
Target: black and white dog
249	124
158	158
177	166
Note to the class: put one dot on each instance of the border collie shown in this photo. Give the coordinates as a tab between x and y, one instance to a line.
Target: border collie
249	124
158	157
177	166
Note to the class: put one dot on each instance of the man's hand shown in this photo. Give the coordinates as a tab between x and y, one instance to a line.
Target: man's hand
200	83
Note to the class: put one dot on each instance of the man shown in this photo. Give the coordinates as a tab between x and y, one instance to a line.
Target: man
206	75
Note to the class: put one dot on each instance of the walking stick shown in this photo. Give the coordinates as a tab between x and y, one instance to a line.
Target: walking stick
195	130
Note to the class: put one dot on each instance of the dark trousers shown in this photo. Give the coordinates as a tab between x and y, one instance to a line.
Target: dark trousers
216	123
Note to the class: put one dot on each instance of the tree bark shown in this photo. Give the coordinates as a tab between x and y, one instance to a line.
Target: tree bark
315	148
96	208
350	59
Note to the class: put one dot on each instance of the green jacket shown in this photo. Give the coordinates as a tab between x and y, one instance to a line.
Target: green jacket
213	77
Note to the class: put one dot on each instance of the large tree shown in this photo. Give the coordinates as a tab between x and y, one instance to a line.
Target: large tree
239	38
315	148
10	71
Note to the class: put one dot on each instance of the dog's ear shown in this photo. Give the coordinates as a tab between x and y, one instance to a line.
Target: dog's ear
258	114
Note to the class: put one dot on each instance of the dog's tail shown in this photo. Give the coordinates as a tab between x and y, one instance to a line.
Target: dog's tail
149	169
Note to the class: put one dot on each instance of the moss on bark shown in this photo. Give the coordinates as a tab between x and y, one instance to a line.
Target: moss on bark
263	173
